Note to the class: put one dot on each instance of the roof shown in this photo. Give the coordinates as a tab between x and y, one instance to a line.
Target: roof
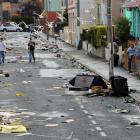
52	16
132	4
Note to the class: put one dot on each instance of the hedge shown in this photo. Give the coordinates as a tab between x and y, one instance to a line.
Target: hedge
97	36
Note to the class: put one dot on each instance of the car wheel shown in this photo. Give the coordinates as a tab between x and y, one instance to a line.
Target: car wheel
4	30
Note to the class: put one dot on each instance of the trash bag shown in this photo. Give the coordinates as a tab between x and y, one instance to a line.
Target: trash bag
119	86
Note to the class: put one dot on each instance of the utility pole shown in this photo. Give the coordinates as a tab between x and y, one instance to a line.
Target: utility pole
1	15
110	38
46	9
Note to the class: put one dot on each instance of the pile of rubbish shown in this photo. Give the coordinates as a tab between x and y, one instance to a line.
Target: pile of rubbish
11	121
97	86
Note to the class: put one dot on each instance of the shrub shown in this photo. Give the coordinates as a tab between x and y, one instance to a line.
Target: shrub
123	30
27	20
97	36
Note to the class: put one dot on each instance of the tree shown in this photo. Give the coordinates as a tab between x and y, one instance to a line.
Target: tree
123	26
29	7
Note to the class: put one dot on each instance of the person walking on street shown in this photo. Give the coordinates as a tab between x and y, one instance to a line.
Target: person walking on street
131	53
31	49
2	50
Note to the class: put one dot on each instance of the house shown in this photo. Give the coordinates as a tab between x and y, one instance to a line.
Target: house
72	15
64	4
131	10
53	8
5	8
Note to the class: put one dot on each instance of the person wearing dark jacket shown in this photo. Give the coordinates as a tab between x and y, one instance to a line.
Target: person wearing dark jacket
31	49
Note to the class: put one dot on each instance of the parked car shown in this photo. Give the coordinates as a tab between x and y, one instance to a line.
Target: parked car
10	26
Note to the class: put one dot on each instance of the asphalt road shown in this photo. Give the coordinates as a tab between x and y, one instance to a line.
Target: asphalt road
36	94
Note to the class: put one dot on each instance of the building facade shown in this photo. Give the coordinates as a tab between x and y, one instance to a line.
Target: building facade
131	10
72	15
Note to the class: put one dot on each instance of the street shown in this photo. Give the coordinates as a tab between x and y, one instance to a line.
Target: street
36	95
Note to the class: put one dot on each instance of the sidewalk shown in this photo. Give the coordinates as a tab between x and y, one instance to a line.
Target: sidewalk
100	67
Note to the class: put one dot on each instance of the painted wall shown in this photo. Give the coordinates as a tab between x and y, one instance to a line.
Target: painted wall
116	9
54	5
134	17
72	14
87	12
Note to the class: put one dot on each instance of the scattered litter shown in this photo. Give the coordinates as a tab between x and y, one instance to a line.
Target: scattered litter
109	106
133	91
90	114
129	127
7	114
109	86
9	49
71	109
29	75
136	117
7	85
1	75
21	70
14	60
71	135
54	114
13	129
28	113
19	94
65	85
90	91
68	121
15	121
1	119
26	82
120	111
1	71
23	61
7	75
96	89
20	57
129	100
58	55
57	87
51	125
134	123
49	119
24	134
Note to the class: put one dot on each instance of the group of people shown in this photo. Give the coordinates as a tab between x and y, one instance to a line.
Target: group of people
31	49
133	51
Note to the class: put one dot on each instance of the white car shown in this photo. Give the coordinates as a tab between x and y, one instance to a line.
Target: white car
10	26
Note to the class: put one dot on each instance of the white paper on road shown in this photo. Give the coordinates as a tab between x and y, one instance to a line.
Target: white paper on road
132	118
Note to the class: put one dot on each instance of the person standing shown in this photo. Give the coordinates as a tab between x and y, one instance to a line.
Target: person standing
2	50
131	53
137	48
31	49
